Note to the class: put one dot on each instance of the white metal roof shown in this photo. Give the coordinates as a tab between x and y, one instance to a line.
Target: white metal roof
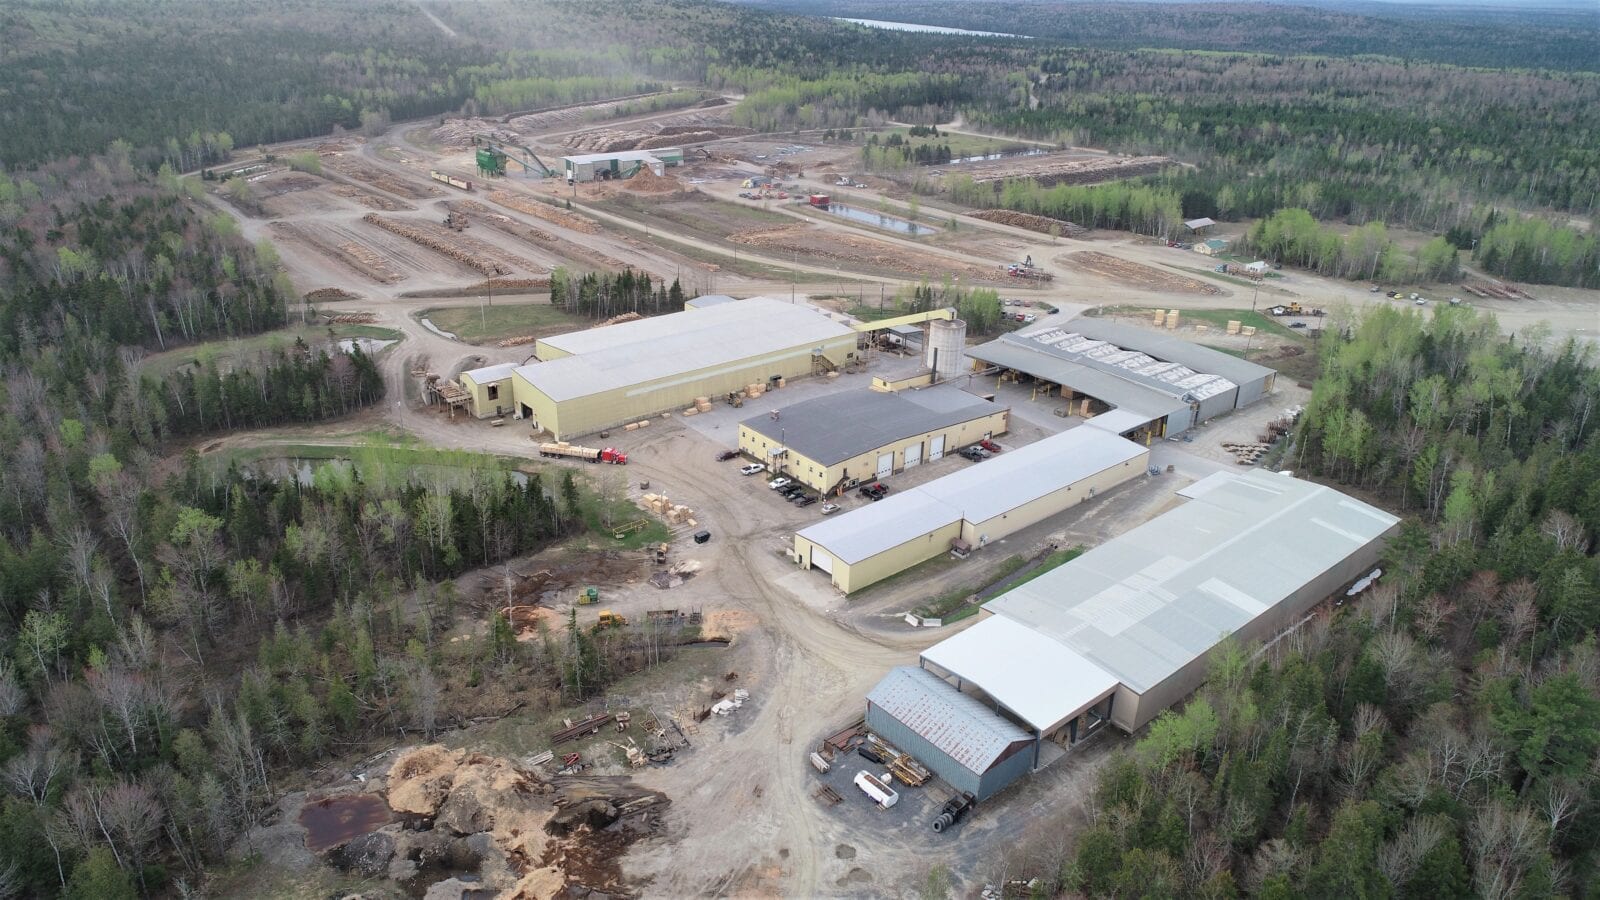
871	529
619	156
1017	476
1117	391
1199	223
1145	604
647	350
705	300
976	493
958	725
1118	421
1042	682
497	372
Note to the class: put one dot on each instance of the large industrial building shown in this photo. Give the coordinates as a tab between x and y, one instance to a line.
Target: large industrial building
832	443
968	508
623	164
1157	384
1124	631
604	377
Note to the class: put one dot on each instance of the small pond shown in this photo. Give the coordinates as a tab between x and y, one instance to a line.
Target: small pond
876	219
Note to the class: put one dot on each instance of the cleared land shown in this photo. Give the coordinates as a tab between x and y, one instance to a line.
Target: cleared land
1135	274
226	354
489	324
813	243
468	251
367	174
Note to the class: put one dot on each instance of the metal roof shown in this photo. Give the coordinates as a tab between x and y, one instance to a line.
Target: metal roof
1036	678
1172	348
962	728
498	372
1103	386
706	300
647	350
976	493
619	156
1145	604
1199	223
869	530
834	428
1118	421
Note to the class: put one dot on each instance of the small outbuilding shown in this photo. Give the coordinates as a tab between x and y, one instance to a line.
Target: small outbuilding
974	749
1212	247
1199	226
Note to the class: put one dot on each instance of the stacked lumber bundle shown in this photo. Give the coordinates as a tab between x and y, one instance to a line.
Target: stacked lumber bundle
433	242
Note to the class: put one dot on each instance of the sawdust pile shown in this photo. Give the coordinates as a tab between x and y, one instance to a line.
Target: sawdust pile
529	839
648	182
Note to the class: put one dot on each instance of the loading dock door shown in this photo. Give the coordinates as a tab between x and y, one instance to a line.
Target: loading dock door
936	448
885	464
821	560
914	455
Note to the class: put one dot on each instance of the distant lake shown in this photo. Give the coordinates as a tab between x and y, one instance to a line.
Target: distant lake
931	29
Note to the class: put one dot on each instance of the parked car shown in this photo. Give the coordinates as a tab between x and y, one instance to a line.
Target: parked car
778	483
973	453
829	509
989	445
1020	317
1010	301
804	500
792	491
1029	317
874	491
726	455
752	469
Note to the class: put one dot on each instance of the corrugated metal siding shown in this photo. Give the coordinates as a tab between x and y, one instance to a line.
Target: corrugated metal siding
1251	391
898	733
1006	771
1221	404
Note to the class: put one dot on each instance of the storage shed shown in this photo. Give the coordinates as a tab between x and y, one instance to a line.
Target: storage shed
972	748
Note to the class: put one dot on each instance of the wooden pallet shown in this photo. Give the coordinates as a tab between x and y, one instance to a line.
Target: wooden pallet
827	795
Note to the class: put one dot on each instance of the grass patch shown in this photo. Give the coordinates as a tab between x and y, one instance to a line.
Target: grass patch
960	145
1220	318
727	262
1059	558
952	605
486	324
226	354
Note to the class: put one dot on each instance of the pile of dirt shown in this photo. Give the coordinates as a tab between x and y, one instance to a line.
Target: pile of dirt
525	837
1041	224
648	182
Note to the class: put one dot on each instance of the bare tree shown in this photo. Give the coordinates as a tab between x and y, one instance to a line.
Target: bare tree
1566	531
1399	856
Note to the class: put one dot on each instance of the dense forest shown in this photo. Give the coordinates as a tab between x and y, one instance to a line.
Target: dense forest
1526	37
1438	736
181	631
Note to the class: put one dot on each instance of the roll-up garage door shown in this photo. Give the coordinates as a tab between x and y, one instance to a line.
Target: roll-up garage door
885	464
821	560
914	455
936	448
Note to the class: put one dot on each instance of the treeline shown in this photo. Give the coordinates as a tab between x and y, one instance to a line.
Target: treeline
1293	237
297	385
839	99
1540	252
1128	205
1438	736
601	295
1468	36
980	308
896	152
1355	139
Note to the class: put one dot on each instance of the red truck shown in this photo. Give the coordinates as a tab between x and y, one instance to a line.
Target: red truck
588	454
820	200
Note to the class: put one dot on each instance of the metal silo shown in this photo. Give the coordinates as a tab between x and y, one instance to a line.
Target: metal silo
946	349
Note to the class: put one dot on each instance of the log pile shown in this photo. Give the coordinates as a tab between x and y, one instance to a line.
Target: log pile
1041	224
435	243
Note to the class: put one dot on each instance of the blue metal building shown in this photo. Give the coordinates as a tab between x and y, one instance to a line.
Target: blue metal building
962	741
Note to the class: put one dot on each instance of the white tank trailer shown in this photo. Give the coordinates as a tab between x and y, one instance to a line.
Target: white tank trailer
946	350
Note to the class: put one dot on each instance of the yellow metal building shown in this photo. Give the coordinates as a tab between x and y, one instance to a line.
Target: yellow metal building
832	443
975	506
605	377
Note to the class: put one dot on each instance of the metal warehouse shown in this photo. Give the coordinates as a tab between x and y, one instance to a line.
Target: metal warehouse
832	443
1170	384
604	377
622	164
1123	632
968	508
958	738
